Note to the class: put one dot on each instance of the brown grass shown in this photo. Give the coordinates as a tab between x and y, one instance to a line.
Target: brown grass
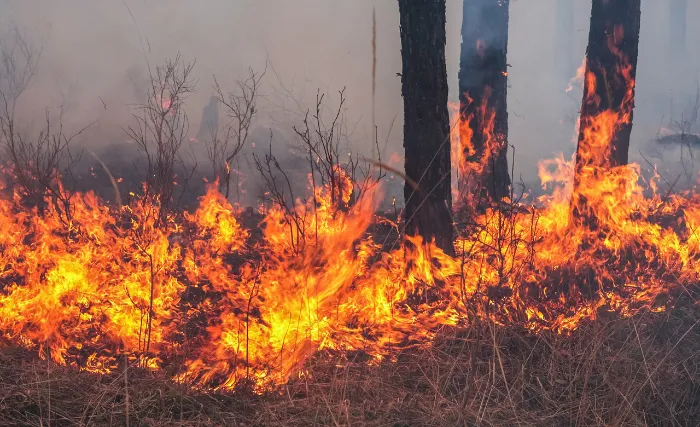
642	371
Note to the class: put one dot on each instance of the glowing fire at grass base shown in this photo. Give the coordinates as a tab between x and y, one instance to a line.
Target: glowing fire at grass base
105	283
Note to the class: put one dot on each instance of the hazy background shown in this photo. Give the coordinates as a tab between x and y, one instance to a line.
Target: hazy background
92	53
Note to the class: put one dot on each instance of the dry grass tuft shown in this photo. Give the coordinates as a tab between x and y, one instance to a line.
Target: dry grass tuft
642	371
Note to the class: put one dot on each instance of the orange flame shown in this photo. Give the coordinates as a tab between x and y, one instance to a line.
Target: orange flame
469	167
578	78
114	283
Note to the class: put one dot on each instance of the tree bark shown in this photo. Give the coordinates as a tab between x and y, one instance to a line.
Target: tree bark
678	29
613	47
428	211
483	89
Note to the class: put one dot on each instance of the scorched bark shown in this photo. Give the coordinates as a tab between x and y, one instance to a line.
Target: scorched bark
428	211
483	80
611	68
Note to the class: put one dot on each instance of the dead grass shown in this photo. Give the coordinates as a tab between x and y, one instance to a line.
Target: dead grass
642	371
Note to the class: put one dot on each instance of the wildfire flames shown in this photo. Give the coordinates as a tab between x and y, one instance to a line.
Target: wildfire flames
207	295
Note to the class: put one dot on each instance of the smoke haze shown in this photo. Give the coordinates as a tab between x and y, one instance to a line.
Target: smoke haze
95	57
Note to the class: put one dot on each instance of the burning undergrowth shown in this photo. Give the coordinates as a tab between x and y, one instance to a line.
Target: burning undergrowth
200	298
217	297
637	371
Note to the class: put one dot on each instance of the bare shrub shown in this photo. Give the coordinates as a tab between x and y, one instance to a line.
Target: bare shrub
322	143
160	131
39	165
226	144
19	58
279	191
344	180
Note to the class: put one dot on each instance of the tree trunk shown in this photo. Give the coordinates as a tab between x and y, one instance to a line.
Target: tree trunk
608	95
566	27
678	28
428	211
483	80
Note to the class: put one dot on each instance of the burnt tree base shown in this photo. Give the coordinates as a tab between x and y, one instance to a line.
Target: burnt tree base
428	210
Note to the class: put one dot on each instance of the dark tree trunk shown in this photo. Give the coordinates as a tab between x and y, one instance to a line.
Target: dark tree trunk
428	210
613	47
678	28
566	27
483	80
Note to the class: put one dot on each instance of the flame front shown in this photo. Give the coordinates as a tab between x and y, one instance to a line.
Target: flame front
235	307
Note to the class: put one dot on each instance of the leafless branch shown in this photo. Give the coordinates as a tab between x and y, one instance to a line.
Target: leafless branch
161	128
40	165
227	144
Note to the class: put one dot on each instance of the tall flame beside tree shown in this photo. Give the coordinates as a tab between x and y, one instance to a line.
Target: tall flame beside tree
608	100
237	308
483	89
428	211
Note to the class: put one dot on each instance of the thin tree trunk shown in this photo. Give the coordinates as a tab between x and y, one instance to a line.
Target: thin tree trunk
608	95
483	88
566	27
678	29
428	210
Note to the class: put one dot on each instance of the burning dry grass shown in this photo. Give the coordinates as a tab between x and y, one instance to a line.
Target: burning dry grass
536	321
146	316
198	292
640	371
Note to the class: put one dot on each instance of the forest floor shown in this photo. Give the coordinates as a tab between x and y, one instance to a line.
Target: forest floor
639	371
